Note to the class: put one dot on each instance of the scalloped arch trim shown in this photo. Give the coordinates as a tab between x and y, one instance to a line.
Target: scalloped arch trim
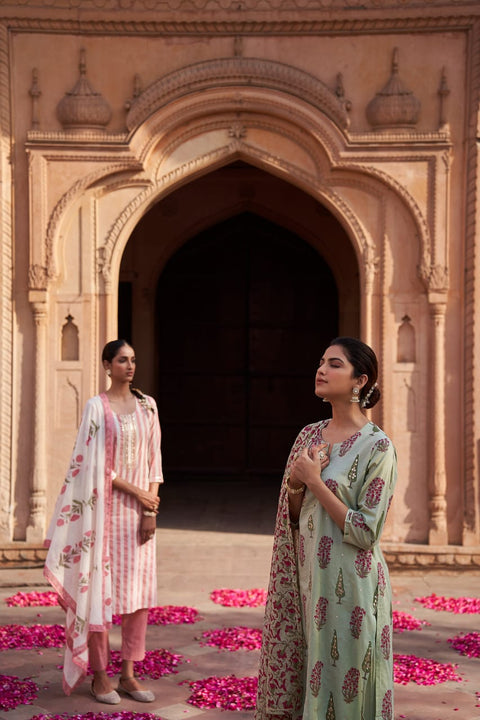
237	72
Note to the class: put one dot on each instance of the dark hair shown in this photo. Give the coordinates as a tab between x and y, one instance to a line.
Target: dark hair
111	349
364	362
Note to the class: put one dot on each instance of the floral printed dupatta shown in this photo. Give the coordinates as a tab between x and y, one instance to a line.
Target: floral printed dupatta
77	563
281	673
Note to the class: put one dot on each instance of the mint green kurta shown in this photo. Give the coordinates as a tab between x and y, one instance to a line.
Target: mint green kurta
344	587
327	637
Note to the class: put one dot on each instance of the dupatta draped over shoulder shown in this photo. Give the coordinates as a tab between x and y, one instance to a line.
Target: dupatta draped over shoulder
78	563
281	672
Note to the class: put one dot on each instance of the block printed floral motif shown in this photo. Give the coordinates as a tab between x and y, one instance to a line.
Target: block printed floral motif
301	550
353	472
387	708
382	584
383	444
316	678
347	444
350	685
320	616
363	563
385	642
334	654
374	493
367	662
332	485
330	709
92	431
324	551
358	520
71	553
72	512
339	587
356	620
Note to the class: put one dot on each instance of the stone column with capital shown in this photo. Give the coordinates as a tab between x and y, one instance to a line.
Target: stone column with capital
438	534
437	481
371	263
38	485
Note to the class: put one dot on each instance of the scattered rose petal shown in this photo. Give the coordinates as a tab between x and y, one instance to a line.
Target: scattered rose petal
233	638
239	598
117	715
227	693
155	664
32	599
26	637
403	621
460	605
168	615
466	644
14	691
422	671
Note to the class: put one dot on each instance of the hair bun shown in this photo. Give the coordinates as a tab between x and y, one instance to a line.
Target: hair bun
372	397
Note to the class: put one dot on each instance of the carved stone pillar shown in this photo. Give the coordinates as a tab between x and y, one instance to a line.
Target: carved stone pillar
438	533
37	519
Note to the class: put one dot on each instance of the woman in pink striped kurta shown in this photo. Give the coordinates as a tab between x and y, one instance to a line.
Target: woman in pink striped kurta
101	557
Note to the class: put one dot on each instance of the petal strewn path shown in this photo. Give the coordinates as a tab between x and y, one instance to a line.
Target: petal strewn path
191	565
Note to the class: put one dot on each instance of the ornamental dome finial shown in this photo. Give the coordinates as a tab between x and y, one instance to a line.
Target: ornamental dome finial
394	107
83	108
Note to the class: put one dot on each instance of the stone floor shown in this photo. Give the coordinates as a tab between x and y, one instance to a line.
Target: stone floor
200	550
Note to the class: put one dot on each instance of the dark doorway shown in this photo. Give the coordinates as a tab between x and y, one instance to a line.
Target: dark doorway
244	311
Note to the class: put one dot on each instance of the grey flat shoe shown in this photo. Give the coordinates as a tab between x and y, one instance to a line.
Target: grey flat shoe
145	696
111	698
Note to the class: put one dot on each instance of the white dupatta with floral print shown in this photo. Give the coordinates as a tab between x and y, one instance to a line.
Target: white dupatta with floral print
77	564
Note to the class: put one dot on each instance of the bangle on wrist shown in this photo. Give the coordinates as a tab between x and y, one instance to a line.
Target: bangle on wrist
149	513
294	491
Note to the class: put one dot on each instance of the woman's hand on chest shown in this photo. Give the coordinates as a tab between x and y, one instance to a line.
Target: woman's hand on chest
308	466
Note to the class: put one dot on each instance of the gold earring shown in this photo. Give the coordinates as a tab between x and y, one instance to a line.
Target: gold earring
355	394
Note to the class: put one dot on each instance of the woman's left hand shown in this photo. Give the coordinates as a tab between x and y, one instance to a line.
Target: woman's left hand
309	465
147	528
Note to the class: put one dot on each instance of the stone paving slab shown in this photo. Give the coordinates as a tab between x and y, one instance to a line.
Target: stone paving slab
193	563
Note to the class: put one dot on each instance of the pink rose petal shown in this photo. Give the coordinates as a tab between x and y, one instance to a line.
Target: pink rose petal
466	644
14	692
239	598
459	606
168	615
156	664
31	599
403	621
91	715
26	637
422	671
226	693
234	638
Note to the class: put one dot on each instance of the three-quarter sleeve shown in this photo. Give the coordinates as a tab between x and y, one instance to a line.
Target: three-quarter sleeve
155	473
364	525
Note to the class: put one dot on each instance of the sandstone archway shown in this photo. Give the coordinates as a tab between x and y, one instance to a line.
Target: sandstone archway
305	296
179	137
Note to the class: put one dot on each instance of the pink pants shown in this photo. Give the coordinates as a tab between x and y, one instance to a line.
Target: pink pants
134	628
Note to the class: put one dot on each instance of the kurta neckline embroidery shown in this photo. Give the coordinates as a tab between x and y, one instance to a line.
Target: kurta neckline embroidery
356	434
128	431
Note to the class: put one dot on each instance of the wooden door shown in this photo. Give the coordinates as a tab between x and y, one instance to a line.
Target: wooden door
244	311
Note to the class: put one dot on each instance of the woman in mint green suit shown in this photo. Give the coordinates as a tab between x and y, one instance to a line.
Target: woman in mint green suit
327	640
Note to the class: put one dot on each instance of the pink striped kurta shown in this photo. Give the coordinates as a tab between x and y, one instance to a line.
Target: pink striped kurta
137	460
95	560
